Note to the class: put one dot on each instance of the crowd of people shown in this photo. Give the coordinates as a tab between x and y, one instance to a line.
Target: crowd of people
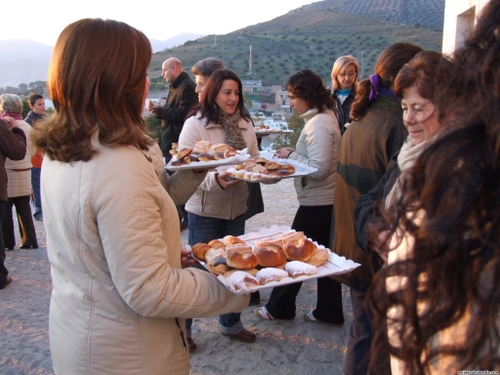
407	179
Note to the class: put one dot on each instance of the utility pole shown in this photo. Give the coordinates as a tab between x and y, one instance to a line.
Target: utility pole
250	62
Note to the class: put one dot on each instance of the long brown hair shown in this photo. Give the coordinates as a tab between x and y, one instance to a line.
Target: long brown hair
97	79
390	61
454	187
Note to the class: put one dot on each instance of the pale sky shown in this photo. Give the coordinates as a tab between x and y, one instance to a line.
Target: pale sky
43	21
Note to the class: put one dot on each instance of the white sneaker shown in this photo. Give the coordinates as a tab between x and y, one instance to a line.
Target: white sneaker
310	317
262	313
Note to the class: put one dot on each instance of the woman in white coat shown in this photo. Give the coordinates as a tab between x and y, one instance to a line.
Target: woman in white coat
119	294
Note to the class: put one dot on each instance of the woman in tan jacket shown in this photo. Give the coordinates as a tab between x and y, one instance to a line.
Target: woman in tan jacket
119	296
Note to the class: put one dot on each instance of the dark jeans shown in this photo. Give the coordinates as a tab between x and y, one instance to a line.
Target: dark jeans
204	229
315	222
3	270
360	340
35	185
26	226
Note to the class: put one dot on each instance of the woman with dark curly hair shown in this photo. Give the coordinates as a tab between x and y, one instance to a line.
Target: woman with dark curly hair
437	303
317	147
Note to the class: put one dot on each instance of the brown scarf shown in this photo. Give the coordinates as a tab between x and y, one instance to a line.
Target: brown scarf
229	124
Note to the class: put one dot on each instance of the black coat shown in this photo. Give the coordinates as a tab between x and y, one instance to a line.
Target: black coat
367	210
343	110
12	146
181	99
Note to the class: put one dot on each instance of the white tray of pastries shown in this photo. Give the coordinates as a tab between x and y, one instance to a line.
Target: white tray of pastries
267	168
272	257
205	154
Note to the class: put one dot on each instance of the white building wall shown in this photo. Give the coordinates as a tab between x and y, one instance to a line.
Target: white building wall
460	17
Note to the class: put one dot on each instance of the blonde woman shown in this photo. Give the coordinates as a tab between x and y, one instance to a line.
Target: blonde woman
345	73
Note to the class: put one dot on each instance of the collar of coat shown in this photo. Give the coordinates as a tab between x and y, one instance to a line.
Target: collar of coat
181	77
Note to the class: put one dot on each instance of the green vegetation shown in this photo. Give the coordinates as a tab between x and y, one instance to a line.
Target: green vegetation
295	123
318	37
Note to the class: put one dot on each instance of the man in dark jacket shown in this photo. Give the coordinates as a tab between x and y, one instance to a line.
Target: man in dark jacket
12	146
181	98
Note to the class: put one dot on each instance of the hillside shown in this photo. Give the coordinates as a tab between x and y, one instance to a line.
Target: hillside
314	36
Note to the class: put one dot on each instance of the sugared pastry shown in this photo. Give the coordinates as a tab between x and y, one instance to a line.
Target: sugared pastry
296	269
268	274
243	280
201	147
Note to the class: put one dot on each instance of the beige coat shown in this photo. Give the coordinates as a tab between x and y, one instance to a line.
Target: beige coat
19	171
119	294
210	200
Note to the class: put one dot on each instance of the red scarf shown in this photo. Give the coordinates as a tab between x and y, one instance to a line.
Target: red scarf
15	116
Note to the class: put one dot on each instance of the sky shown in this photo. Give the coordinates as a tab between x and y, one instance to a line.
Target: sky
43	21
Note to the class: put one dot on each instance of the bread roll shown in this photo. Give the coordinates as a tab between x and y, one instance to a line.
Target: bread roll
199	250
297	247
266	275
217	261
286	169
216	244
181	154
241	257
243	280
296	269
319	257
233	240
272	165
201	147
269	254
205	157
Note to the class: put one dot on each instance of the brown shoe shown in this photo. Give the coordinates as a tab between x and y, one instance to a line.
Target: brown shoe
191	344
243	336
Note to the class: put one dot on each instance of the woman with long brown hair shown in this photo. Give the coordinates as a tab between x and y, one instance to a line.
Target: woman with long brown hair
437	303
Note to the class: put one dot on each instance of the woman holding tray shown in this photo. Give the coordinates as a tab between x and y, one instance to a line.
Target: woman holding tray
119	294
218	207
317	147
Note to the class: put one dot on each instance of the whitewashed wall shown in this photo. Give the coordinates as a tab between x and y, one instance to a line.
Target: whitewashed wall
460	17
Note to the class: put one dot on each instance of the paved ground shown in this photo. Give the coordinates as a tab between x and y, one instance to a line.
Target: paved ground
282	347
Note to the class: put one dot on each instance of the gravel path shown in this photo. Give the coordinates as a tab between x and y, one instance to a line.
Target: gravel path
282	347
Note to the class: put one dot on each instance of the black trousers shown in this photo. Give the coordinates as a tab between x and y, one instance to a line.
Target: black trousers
315	222
26	226
3	270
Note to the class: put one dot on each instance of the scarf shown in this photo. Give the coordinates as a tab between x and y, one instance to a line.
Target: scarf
377	90
229	124
406	159
343	94
15	116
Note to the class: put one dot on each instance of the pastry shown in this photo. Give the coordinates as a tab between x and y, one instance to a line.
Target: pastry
319	257
241	257
199	250
271	165
297	247
217	261
205	157
233	240
216	244
181	154
269	254
266	275
243	280
297	268
251	271
201	147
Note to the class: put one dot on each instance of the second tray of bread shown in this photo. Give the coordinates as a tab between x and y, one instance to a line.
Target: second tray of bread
267	168
272	257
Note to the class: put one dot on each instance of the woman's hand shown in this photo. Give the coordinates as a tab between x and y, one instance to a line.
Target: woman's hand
283	152
225	184
187	259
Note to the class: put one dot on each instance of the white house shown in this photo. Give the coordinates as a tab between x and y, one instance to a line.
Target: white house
460	17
